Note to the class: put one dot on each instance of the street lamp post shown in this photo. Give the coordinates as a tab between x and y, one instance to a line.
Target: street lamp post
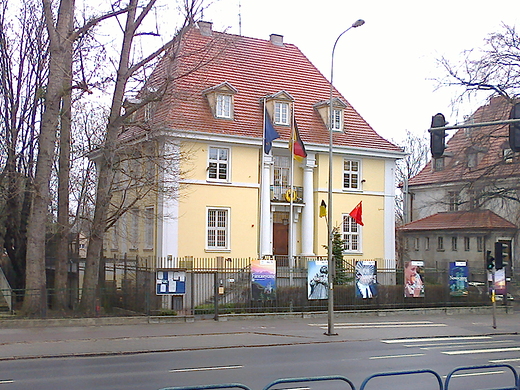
331	267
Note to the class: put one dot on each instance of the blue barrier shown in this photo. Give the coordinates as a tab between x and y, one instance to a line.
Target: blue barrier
204	387
399	373
442	386
487	366
311	379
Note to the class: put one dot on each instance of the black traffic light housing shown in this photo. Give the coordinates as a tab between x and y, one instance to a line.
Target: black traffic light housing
437	142
499	255
490	261
514	129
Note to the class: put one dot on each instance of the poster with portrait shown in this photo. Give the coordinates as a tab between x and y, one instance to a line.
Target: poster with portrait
366	279
318	279
263	280
458	279
414	279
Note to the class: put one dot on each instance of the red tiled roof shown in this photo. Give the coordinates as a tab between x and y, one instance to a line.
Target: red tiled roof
490	141
460	220
256	68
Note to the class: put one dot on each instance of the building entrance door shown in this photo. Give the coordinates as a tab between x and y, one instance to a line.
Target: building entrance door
280	239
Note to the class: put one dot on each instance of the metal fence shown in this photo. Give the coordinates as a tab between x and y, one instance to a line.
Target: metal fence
223	285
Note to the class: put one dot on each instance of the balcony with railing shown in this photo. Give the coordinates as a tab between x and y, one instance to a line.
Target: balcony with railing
283	194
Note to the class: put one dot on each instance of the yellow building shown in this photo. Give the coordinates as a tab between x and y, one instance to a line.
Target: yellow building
218	95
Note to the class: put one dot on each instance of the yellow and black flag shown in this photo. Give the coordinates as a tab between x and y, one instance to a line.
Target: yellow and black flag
323	209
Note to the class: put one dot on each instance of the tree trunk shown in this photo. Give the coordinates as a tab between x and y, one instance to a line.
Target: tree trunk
105	171
62	256
35	301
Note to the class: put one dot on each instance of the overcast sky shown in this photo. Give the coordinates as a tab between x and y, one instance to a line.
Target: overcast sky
385	68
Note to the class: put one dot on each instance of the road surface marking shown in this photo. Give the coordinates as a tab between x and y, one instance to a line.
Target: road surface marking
489	350
475	374
203	368
396	356
388	326
368	324
6	381
418	340
457	345
505	360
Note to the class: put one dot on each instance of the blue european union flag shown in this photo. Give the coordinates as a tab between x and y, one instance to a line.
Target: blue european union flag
270	133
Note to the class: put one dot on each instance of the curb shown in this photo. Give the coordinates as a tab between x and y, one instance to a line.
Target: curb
15	322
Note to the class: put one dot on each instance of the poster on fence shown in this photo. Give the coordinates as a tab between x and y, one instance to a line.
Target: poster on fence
366	279
414	279
458	279
318	279
170	282
263	280
500	282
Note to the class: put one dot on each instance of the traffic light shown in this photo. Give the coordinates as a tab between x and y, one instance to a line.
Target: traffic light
514	129
437	143
490	261
499	255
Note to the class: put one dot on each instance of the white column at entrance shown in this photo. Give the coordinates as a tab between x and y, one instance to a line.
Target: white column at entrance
309	208
266	227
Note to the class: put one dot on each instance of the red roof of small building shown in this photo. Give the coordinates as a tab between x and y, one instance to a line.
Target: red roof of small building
255	68
487	142
460	220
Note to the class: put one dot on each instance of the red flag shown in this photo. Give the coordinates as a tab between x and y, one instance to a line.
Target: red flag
356	214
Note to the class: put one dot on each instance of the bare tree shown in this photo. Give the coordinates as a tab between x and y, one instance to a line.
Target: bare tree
109	158
23	71
417	149
495	68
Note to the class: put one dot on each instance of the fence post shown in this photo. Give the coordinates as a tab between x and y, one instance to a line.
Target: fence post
215	294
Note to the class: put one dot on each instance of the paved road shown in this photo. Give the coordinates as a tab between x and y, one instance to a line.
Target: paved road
80	340
254	351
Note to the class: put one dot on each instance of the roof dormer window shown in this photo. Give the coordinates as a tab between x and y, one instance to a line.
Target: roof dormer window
220	99
281	113
337	119
223	108
338	113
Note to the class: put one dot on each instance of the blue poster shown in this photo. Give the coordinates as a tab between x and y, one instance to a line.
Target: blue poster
318	279
263	280
170	282
458	279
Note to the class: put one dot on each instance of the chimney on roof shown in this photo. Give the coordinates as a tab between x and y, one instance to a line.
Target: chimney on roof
276	39
205	28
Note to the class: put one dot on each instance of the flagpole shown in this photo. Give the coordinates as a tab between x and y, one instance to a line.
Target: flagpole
263	229
290	248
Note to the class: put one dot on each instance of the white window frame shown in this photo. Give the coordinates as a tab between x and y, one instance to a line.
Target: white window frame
337	119
134	229
467	243
114	241
216	164
351	235
217	223
416	244
354	176
440	243
454	243
282	113
224	106
149	230
453	201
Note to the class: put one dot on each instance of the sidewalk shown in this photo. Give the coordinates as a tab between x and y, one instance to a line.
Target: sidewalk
137	337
